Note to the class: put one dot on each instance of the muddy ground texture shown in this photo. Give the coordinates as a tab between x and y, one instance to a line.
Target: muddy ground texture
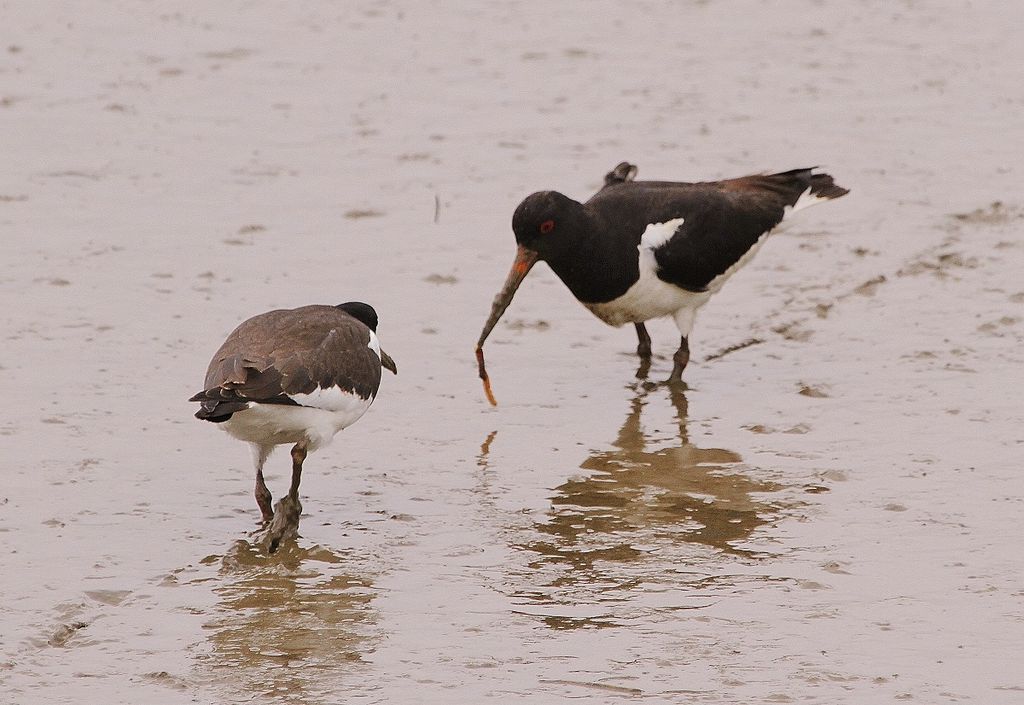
829	513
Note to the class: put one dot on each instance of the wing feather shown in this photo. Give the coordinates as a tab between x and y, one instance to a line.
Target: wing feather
280	353
722	220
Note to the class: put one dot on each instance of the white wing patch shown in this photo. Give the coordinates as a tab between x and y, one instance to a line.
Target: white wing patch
651	297
657	234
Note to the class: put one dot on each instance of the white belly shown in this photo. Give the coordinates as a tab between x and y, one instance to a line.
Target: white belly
273	424
649	298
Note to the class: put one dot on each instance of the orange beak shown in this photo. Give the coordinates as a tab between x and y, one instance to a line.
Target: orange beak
525	259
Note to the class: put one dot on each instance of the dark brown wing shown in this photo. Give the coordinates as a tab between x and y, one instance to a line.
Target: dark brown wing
786	186
277	354
728	218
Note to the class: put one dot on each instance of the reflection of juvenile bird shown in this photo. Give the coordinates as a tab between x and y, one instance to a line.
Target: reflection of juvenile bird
293	376
639	250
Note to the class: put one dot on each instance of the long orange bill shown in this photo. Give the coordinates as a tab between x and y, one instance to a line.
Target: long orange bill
483	376
525	259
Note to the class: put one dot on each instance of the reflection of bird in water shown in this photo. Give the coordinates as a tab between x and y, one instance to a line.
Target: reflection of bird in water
293	376
290	630
638	494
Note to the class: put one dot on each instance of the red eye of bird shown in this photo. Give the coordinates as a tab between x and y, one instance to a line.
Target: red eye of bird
547	226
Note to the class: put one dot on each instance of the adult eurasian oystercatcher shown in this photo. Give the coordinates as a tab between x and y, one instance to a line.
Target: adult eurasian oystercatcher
293	376
639	250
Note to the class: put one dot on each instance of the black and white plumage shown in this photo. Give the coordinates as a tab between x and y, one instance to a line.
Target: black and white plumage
294	376
639	250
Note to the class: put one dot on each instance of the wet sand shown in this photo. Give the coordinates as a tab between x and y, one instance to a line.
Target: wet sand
830	515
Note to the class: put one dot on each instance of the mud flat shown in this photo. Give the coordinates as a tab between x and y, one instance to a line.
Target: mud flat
830	513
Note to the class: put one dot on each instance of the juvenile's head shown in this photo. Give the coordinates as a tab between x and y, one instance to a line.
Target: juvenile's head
363	313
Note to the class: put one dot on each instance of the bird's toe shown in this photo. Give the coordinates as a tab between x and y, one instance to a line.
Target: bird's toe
284	524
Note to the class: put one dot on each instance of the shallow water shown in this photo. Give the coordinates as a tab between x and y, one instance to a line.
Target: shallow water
829	513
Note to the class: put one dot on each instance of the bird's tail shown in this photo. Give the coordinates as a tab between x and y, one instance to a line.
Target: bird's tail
808	188
824	186
216	410
821	185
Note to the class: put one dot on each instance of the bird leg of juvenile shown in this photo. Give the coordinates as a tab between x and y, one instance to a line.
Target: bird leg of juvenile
285	522
264	500
298	456
263	497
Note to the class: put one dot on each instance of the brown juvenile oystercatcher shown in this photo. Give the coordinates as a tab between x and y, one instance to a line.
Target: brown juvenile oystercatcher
639	250
293	376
